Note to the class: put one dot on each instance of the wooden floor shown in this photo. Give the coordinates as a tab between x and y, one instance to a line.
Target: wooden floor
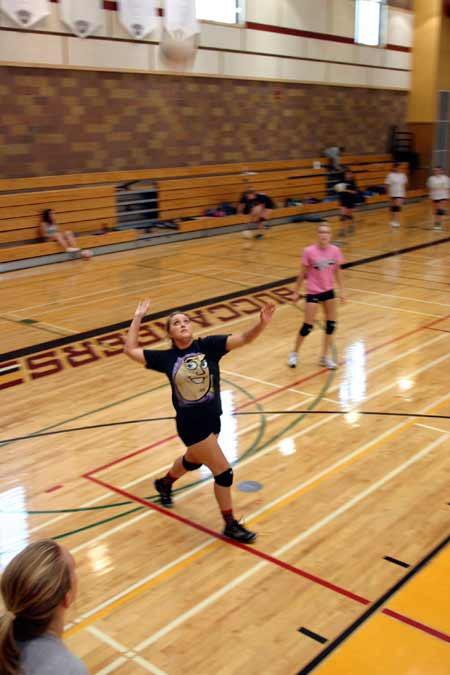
350	503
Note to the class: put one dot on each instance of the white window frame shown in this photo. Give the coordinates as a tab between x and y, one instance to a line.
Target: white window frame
234	14
364	36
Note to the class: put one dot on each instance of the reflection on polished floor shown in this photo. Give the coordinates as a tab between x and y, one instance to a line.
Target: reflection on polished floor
353	463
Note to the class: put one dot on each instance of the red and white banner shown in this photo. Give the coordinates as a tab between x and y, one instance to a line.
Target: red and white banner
25	12
138	17
83	17
180	18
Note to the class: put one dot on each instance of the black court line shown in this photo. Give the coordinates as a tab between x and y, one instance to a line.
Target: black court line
396	561
94	332
105	425
312	635
372	609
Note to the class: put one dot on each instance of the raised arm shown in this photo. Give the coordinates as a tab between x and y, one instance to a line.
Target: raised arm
241	339
132	348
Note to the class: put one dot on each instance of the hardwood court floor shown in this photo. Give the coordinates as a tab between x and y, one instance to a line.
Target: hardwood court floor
159	591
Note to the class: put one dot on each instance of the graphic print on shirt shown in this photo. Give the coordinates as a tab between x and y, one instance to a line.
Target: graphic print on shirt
192	379
323	264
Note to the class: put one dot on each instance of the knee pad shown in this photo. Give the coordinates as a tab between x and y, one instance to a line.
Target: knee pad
189	466
396	209
225	479
306	329
330	327
440	212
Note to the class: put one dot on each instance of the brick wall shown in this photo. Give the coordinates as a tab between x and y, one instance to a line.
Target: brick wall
60	121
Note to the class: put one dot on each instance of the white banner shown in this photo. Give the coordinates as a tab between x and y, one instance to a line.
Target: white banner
137	16
83	17
180	19
25	12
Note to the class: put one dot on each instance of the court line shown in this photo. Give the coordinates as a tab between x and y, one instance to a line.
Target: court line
398	297
109	605
370	371
211	599
396	309
427	426
376	605
128	653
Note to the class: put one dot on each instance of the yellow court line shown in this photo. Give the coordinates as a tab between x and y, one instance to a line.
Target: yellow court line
164	576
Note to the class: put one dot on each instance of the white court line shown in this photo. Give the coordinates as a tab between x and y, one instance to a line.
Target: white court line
267	507
182	618
129	653
118	528
395	309
427	426
270	384
113	666
11	316
66	300
400	297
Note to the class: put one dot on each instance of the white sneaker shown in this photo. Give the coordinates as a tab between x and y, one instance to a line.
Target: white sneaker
327	363
393	223
438	228
292	360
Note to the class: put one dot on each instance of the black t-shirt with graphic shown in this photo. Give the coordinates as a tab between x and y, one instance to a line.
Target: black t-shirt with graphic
193	374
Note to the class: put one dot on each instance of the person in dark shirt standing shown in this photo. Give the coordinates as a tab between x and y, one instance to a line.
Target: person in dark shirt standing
258	206
192	368
347	193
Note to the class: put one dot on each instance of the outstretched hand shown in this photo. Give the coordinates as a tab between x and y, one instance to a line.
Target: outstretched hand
267	313
142	308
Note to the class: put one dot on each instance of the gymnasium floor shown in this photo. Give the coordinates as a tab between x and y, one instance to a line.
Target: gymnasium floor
349	573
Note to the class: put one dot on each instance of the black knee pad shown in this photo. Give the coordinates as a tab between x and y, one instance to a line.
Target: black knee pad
225	479
396	209
189	466
330	327
440	212
306	329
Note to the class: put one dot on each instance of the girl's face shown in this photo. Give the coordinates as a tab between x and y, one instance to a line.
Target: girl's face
323	235
180	328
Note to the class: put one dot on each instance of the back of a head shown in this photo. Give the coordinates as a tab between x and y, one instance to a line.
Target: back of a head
33	586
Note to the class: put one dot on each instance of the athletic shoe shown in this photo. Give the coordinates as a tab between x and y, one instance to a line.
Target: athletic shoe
328	363
165	493
238	532
292	360
259	235
393	223
437	227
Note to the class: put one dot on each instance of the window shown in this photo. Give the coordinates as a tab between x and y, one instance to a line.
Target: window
369	22
223	11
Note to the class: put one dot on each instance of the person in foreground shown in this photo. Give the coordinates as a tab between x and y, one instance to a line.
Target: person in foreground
192	367
37	586
320	266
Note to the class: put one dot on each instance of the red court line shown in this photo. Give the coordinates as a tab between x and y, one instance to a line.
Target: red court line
265	396
270	559
54	488
212	533
417	624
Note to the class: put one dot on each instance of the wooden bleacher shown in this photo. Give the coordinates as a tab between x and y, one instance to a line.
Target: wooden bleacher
85	203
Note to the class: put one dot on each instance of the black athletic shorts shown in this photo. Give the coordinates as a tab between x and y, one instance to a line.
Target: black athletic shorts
347	200
439	201
320	297
192	432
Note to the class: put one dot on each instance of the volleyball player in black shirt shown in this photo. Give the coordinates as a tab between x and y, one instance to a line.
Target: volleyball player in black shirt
192	367
259	206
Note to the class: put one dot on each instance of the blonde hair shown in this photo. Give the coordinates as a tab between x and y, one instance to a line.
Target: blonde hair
33	585
170	317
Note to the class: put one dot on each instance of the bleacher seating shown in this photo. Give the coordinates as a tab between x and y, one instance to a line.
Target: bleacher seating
86	203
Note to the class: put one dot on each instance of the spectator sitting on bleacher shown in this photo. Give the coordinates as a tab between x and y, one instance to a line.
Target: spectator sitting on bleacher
50	231
258	206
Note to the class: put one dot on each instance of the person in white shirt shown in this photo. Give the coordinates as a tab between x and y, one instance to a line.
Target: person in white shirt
439	188
396	181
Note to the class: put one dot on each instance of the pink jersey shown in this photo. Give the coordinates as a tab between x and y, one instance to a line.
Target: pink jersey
320	264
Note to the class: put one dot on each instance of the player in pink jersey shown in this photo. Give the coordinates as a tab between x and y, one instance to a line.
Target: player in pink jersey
320	267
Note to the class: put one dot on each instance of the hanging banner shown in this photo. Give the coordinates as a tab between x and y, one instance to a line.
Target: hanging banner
137	17
180	19
83	17
25	12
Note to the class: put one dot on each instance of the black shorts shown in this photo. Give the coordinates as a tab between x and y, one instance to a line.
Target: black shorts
320	297
192	432
347	200
439	201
